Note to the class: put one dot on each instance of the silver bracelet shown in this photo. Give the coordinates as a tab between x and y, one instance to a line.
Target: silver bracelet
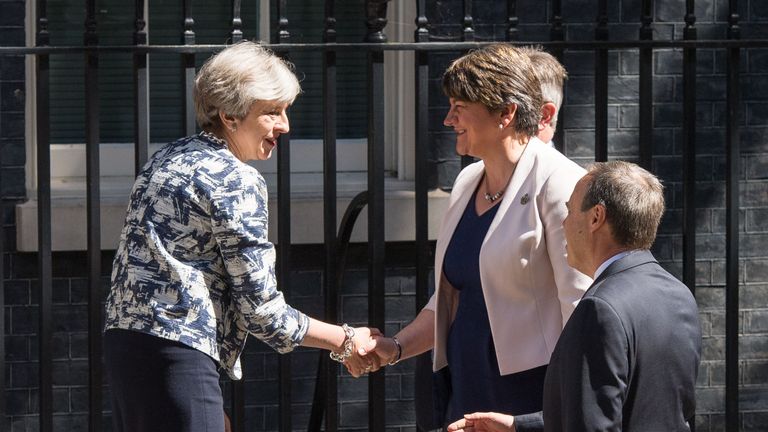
348	345
399	352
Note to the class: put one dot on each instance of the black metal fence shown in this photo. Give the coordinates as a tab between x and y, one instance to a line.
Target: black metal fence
335	238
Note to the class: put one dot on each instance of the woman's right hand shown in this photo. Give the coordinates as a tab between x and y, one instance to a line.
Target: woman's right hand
382	348
358	364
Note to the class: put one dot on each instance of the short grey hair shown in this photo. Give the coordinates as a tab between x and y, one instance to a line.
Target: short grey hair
551	75
496	76
235	78
633	199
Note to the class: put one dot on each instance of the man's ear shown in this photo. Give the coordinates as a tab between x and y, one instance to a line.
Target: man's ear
508	114
548	112
597	218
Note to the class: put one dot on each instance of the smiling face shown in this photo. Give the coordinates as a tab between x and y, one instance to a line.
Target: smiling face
255	136
476	128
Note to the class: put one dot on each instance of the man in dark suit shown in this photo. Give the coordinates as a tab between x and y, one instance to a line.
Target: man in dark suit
628	357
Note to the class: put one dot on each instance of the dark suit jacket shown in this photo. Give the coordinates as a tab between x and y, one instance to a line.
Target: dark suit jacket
628	357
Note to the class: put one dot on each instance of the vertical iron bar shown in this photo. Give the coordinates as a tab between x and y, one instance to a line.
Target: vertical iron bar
423	375
5	423
238	387
467	35
732	174
140	90
601	85
689	157
93	207
284	265
469	32
557	33
689	152
512	20
188	63
376	228
421	35
44	224
283	35
332	277
237	22
284	241
376	21
646	87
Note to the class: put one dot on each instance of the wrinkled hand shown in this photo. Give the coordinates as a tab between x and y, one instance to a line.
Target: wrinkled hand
359	365
484	422
383	349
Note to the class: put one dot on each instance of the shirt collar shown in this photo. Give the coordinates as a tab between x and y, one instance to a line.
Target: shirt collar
610	261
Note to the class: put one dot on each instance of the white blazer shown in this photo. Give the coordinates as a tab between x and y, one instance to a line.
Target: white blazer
529	289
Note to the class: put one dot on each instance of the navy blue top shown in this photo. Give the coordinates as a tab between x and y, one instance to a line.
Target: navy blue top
476	383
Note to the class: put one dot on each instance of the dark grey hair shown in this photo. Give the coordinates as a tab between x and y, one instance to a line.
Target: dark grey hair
551	74
633	199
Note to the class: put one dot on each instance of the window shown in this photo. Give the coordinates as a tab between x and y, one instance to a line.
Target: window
212	25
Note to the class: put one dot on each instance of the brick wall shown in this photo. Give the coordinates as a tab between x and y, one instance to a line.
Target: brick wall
20	319
70	345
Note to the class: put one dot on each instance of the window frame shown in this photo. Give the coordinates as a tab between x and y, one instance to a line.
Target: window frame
68	171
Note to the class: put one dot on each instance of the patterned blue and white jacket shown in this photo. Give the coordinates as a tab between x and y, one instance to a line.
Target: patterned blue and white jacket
194	264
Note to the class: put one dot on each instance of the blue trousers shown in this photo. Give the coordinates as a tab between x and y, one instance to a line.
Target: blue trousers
161	385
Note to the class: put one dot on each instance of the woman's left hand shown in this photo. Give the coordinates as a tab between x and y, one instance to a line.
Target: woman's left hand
357	364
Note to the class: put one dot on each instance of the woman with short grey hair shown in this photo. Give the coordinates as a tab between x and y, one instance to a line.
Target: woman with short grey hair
194	272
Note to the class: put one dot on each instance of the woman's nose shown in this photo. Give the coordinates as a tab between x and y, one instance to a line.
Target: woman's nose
449	118
283	125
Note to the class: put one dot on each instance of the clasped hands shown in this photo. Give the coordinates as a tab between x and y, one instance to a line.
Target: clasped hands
372	351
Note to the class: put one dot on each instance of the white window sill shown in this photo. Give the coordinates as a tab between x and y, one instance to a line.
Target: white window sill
69	211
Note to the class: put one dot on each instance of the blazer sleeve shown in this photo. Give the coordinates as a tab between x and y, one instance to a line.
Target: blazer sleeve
592	371
533	422
571	284
239	221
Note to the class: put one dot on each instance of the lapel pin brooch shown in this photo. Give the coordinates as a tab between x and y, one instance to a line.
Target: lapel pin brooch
524	200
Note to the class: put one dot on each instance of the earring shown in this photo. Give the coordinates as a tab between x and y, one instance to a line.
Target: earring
233	128
501	126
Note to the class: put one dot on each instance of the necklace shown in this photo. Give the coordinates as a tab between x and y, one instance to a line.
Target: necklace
494	197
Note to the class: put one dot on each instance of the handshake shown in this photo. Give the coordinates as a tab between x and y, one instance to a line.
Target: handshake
371	350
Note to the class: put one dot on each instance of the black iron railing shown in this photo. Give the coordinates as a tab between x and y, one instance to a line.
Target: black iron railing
326	400
44	225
